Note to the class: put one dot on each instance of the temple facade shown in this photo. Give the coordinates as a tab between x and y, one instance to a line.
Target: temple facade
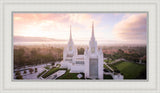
91	63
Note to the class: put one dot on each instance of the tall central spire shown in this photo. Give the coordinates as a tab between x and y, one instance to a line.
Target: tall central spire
70	33
93	30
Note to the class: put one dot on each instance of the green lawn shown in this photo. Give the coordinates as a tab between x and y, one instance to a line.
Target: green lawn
68	75
47	67
107	68
108	61
52	70
131	70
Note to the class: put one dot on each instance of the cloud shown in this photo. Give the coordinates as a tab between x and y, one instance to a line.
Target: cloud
52	25
54	18
132	28
56	26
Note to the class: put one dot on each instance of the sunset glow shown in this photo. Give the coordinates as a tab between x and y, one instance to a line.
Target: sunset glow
110	28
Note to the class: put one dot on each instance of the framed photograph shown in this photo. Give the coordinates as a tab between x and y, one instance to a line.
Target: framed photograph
80	46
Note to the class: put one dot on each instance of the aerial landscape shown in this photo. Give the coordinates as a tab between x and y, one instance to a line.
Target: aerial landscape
80	46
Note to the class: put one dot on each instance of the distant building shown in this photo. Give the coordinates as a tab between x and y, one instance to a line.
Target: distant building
91	63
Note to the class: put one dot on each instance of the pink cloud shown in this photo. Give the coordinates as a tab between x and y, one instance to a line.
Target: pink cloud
45	21
132	28
52	25
36	18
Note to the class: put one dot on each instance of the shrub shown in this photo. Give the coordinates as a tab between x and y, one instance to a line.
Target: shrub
30	70
35	69
107	76
53	70
19	77
25	71
117	71
41	73
47	67
58	65
53	63
18	73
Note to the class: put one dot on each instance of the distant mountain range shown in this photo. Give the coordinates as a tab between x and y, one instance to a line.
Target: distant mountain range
34	39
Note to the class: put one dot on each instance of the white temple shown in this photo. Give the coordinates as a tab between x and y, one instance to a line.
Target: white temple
91	63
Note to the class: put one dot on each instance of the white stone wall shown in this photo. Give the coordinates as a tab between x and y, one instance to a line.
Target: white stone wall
100	65
64	64
86	62
64	54
77	68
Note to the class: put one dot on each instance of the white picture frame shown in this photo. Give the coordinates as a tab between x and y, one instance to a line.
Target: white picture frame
152	7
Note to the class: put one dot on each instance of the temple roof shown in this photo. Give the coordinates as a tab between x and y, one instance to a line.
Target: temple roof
70	33
70	42
92	37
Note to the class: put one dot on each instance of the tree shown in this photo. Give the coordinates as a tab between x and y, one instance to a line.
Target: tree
19	77
53	63
120	51
30	70
36	55
25	71
18	73
19	58
33	56
35	69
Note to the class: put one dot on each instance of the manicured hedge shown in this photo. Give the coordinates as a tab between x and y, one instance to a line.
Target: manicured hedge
53	70
47	67
41	73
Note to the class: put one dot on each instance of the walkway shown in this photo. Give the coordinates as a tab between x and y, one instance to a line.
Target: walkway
118	60
56	74
108	66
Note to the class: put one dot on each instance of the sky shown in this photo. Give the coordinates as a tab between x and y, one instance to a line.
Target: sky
109	28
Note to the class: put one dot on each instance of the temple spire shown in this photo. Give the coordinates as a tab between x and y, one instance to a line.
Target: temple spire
70	33
93	30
